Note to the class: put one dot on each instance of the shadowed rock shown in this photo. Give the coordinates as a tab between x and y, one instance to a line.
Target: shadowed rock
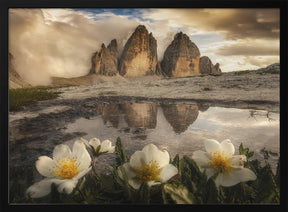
207	67
181	57
105	62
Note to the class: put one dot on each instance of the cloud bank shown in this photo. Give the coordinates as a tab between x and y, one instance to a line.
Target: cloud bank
60	42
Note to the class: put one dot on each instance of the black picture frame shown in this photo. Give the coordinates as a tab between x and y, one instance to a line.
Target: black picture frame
5	5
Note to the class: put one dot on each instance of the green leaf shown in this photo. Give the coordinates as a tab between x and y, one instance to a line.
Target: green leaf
211	191
179	194
175	161
266	186
144	194
120	152
277	176
245	151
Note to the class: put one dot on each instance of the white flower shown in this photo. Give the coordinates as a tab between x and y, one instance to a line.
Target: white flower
220	158
150	165
64	169
97	147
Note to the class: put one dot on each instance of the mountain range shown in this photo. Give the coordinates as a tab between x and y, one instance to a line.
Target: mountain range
138	58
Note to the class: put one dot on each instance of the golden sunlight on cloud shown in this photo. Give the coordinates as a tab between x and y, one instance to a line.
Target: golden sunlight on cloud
60	42
234	23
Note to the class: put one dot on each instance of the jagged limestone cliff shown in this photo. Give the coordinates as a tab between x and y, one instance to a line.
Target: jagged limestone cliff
139	57
105	62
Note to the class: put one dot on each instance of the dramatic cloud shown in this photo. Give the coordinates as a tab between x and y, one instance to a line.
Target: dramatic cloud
234	23
60	42
249	48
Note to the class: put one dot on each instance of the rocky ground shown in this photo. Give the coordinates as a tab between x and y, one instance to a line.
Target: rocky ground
246	89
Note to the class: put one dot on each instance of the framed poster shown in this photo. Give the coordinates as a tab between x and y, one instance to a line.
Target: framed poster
156	103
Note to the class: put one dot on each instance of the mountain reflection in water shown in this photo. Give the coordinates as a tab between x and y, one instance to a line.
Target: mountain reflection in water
144	115
180	128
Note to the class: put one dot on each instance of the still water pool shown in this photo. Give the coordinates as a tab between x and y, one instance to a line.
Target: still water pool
181	128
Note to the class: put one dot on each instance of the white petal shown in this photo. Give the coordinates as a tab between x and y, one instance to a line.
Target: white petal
152	183
105	146
168	172
84	141
201	158
130	175
134	183
235	176
152	153
244	174
40	189
138	159
210	172
95	142
67	186
112	149
45	166
212	146
82	173
227	147
238	160
61	151
82	155
128	170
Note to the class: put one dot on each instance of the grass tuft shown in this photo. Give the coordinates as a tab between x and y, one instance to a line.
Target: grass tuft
21	97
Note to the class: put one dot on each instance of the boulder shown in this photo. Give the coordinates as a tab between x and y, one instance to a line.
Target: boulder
105	62
181	58
139	57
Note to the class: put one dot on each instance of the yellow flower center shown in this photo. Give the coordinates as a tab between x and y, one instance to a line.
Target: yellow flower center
220	162
66	168
148	172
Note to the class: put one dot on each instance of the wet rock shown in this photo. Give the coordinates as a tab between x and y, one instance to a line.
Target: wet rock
139	57
181	57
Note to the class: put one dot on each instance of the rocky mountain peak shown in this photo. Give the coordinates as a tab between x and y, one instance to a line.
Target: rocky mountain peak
105	62
181	57
113	45
139	57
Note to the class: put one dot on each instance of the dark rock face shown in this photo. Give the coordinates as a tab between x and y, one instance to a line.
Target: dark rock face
139	57
207	67
181	57
105	62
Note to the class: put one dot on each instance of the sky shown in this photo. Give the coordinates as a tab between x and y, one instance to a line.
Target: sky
60	42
